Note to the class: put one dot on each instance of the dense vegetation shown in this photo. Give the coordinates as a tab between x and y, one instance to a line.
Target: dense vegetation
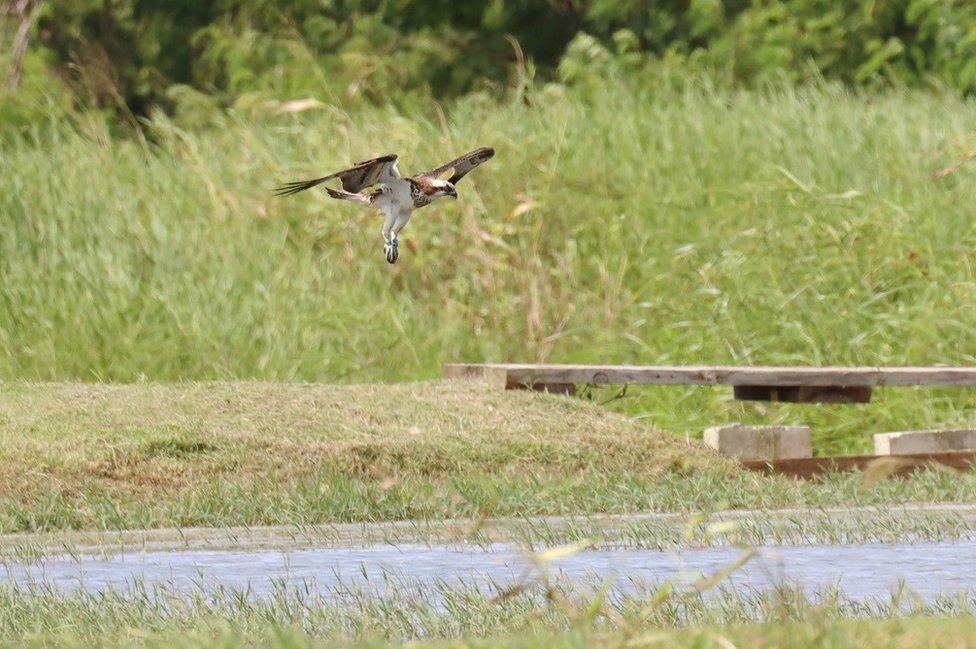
134	54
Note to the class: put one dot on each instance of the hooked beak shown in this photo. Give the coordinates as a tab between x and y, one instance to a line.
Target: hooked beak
452	193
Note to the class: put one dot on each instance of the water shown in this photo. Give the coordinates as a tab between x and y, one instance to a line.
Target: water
859	571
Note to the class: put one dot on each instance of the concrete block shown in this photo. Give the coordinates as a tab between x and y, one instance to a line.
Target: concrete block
924	441
760	442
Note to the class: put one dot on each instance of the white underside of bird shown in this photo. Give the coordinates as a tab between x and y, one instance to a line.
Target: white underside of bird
395	203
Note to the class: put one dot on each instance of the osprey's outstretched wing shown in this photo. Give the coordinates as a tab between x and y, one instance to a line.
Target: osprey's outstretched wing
354	179
461	166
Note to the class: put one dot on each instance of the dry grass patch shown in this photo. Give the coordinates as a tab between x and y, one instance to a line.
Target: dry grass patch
139	438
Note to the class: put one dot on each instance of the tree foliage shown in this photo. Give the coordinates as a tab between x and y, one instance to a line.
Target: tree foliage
134	52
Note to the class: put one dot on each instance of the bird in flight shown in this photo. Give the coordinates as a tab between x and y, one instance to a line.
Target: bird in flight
397	196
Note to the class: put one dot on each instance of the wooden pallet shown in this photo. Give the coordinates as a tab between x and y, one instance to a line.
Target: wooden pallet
901	465
792	384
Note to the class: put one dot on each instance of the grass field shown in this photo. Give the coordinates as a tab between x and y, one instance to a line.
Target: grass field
146	455
625	223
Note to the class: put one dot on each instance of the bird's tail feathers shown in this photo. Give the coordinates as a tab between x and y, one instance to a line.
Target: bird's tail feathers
299	186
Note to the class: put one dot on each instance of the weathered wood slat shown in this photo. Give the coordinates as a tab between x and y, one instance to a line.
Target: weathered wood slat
521	374
804	394
901	465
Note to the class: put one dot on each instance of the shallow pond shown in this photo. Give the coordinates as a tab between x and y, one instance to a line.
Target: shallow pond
859	571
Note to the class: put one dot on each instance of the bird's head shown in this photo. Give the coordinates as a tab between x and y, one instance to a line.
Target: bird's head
442	188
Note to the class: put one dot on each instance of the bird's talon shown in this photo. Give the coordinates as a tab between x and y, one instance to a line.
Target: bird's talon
391	251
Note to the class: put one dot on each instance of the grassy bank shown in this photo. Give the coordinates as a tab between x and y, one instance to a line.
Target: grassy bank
909	633
436	617
651	223
656	531
176	455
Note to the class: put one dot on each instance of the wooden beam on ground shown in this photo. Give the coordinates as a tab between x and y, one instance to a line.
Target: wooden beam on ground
515	374
791	384
901	465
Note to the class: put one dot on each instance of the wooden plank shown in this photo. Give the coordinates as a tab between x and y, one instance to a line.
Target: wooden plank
523	374
803	394
901	465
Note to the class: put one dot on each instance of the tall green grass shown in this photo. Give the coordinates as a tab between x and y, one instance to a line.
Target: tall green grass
626	222
561	614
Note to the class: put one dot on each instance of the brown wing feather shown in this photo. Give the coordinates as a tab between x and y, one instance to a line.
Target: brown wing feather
459	167
354	179
370	172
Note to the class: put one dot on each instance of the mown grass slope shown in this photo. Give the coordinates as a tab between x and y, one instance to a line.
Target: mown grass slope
241	453
250	452
140	438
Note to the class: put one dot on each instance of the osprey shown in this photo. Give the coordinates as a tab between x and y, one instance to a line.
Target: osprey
397	196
